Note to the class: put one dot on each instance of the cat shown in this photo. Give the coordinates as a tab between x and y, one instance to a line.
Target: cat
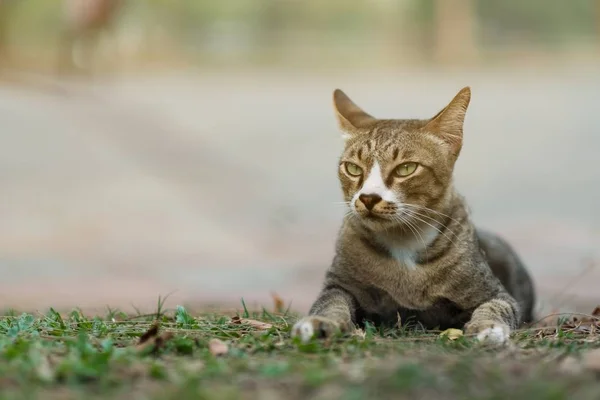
407	248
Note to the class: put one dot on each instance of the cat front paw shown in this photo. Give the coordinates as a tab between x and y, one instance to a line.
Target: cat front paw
491	332
315	326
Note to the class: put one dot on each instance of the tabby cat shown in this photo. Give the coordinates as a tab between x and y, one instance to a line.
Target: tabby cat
407	246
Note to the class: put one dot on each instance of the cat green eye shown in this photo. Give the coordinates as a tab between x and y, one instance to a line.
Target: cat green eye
353	169
406	169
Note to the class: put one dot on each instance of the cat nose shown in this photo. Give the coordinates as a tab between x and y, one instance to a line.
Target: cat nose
369	200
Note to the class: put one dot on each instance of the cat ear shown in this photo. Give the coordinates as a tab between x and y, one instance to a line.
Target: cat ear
448	123
351	118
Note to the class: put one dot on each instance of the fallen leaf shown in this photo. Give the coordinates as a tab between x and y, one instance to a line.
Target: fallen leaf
253	323
586	323
150	333
279	305
151	341
359	333
217	347
452	334
550	321
155	344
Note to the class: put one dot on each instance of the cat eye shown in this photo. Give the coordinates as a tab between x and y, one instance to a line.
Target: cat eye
406	169
353	169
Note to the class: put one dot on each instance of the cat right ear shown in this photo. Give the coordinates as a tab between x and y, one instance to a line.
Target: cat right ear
351	118
448	123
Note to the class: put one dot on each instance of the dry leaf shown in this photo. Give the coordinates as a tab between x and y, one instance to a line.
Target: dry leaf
217	347
156	343
253	323
452	334
151	341
359	333
150	333
278	303
549	321
586	324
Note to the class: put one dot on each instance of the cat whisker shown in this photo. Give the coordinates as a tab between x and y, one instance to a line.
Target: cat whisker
431	210
415	213
414	229
349	215
433	226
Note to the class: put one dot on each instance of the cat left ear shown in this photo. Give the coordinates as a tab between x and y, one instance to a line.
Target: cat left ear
351	118
448	123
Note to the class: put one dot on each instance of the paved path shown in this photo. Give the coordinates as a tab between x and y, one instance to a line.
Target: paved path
223	186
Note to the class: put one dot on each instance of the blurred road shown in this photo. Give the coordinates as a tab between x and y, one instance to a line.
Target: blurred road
222	186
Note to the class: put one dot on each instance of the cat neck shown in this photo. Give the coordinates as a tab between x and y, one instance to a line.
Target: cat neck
408	242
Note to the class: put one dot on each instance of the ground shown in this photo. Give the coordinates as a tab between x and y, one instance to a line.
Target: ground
245	354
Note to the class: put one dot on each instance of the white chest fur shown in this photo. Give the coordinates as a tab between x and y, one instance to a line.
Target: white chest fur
404	251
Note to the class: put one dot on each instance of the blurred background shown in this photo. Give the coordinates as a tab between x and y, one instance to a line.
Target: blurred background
150	147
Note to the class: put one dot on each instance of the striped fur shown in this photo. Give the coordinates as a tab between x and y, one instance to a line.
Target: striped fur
416	253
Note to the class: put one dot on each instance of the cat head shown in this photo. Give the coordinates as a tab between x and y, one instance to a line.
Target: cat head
393	170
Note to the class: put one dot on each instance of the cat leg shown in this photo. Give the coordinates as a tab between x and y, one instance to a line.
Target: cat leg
493	320
332	312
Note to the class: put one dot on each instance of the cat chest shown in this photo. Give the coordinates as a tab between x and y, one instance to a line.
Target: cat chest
405	254
410	286
401	258
406	282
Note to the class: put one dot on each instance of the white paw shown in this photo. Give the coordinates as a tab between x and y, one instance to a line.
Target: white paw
495	334
315	326
304	330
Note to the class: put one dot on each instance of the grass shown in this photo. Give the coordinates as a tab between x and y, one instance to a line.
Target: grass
63	356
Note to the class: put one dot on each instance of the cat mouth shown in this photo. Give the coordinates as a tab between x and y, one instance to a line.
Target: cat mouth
371	216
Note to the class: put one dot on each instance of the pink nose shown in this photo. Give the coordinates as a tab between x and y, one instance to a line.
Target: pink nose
369	200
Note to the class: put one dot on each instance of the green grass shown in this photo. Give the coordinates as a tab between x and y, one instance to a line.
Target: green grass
73	355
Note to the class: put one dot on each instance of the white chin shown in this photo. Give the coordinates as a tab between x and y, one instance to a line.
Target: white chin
375	223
